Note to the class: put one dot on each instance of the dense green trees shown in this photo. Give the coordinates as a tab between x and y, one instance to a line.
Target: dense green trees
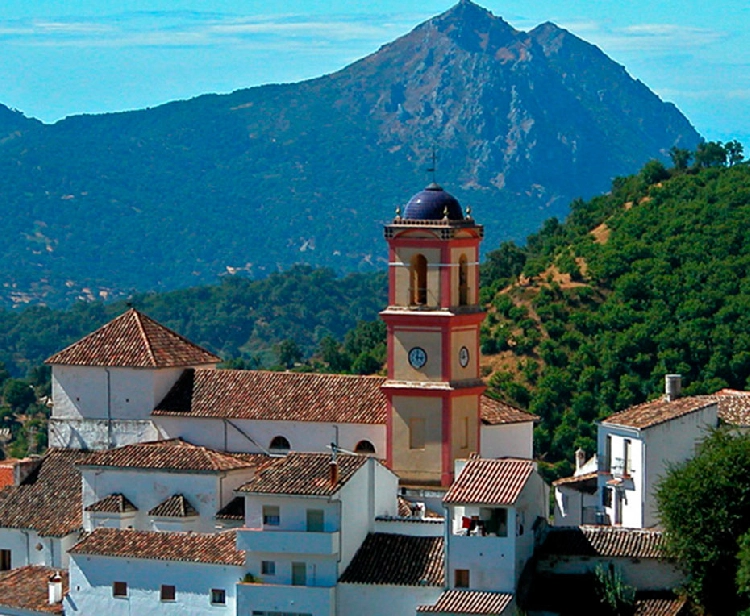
704	505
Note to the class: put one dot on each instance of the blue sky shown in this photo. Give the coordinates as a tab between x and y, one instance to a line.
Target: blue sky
92	56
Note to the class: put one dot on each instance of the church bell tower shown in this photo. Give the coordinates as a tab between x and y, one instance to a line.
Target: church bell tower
433	318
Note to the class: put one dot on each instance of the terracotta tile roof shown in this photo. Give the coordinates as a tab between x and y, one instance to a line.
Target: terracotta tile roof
217	548
734	406
7	472
304	474
582	483
285	396
134	340
292	396
48	499
660	604
470	602
114	503
26	588
173	454
494	412
605	541
399	560
233	510
658	411
490	482
176	506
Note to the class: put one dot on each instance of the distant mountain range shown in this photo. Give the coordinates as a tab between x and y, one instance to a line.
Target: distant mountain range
254	181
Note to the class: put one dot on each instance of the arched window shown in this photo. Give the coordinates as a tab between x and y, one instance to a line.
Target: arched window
364	447
463	281
418	280
279	444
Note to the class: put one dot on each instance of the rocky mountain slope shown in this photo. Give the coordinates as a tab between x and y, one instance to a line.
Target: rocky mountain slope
95	206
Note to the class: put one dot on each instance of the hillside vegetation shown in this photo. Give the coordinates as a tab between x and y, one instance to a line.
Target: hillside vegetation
648	280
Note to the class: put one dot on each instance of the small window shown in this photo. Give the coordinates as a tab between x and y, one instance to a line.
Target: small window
5	560
168	592
364	447
218	596
315	520
418	282
268	567
416	433
119	589
463	282
271	515
279	444
461	578
299	574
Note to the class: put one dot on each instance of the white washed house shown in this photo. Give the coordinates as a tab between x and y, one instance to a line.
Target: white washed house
637	446
305	518
576	498
492	509
126	572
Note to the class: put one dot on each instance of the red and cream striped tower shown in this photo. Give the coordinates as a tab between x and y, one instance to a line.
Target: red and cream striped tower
433	318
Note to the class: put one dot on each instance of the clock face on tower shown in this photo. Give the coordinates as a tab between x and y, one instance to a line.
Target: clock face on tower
463	357
417	357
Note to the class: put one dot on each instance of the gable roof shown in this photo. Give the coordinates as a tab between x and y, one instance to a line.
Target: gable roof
136	341
170	455
470	602
295	396
734	406
176	506
658	411
48	500
215	548
26	588
305	474
494	412
287	396
233	510
604	541
490	482
399	560
114	503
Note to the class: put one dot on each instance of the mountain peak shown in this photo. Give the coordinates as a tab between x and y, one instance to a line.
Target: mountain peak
474	27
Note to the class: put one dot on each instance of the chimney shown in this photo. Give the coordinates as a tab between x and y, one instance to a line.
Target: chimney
672	386
55	589
580	460
333	469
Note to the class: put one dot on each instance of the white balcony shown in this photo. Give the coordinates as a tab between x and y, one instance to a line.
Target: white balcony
314	600
288	542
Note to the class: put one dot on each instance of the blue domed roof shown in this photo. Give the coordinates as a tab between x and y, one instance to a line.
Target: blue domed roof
432	204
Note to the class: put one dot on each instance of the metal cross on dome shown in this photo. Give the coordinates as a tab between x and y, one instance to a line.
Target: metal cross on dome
434	165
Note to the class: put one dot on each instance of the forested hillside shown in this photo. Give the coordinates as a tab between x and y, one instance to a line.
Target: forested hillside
653	278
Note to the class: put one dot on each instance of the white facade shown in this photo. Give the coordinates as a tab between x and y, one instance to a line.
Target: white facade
146	488
305	436
92	579
514	440
297	569
575	506
384	599
632	461
27	547
494	561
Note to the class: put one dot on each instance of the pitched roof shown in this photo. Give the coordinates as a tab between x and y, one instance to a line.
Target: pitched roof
294	396
216	548
136	341
114	503
605	541
26	588
660	604
399	560
233	510
307	474
285	396
490	482
470	602
494	412
172	455
176	506
734	406
48	500
581	483
658	411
